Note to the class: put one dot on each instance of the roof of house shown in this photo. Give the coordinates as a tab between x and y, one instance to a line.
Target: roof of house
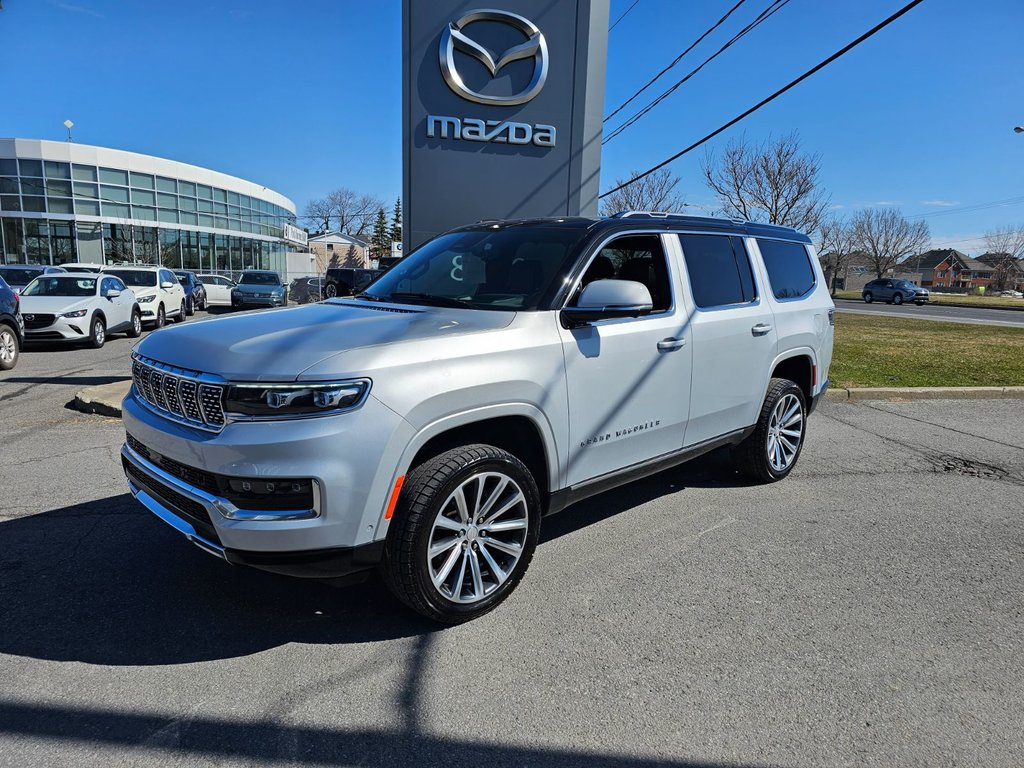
931	259
996	259
338	237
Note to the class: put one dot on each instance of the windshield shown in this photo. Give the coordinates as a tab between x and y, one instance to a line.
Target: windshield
61	286
80	268
183	279
259	278
134	277
19	275
905	284
508	269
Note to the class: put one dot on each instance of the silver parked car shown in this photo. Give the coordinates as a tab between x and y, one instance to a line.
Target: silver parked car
497	374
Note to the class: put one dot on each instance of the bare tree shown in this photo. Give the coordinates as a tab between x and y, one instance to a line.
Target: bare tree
1007	240
836	243
888	237
656	192
344	209
774	182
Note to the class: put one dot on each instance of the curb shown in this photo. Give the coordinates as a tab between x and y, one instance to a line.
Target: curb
104	399
924	393
941	304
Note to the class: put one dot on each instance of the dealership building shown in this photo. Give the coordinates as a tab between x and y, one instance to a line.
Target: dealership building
62	202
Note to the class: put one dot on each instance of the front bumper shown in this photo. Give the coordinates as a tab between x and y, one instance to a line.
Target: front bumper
351	457
245	300
62	329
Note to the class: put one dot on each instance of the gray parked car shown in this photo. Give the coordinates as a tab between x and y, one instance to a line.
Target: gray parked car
17	276
258	288
893	291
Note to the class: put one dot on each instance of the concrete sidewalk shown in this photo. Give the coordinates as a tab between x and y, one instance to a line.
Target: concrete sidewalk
105	399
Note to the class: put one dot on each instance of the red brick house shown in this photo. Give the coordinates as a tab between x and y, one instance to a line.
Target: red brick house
1007	272
949	268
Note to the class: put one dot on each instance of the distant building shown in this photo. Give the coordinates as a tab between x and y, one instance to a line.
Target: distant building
62	202
949	268
858	270
336	249
1007	272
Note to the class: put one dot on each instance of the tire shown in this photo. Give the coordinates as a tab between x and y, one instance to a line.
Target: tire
161	317
9	348
468	569
868	297
919	303
190	307
182	313
897	299
136	327
755	457
331	290
97	332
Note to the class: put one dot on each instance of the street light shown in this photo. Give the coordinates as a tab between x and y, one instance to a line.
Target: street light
69	125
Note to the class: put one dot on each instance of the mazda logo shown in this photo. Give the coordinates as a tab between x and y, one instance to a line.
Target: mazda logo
535	47
30	318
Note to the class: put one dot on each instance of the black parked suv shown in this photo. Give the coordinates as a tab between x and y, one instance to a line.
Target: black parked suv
893	291
347	281
304	290
12	327
195	291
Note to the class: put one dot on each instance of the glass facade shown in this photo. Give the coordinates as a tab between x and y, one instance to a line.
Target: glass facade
56	212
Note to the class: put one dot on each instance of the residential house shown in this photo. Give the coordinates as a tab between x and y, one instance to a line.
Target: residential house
337	249
857	271
1007	272
948	268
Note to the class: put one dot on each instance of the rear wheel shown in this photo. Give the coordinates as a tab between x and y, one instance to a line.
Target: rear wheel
97	332
463	534
868	297
161	317
181	313
9	349
331	290
771	451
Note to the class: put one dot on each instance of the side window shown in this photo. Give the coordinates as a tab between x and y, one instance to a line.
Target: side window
635	257
167	277
719	270
789	268
105	285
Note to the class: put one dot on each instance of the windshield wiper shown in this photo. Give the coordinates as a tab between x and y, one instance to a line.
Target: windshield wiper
431	299
369	297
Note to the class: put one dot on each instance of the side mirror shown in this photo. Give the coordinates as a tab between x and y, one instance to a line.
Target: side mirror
166	284
604	299
113	293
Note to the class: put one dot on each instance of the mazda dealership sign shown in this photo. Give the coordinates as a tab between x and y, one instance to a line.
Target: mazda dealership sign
502	111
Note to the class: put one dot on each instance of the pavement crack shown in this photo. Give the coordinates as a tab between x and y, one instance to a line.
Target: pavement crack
942	426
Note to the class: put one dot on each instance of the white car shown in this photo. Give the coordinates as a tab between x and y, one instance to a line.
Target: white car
158	291
81	266
218	289
79	307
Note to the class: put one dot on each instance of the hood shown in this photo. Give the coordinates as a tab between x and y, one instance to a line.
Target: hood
143	290
279	345
53	305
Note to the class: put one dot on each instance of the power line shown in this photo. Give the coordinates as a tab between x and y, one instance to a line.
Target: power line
624	14
766	14
821	65
970	208
675	61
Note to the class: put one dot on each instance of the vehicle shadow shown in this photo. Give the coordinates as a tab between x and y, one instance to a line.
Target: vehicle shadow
105	582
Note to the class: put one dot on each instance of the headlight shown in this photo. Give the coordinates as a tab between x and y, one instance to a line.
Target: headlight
146	299
76	313
298	400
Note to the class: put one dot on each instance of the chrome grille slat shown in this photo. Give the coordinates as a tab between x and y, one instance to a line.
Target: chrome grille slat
186	397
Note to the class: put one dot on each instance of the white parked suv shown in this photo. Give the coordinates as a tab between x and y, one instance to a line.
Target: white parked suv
497	374
84	307
158	292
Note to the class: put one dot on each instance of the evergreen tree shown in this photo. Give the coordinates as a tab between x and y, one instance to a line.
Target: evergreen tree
380	243
396	221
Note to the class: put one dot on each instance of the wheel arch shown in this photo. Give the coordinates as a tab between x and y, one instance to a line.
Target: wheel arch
799	366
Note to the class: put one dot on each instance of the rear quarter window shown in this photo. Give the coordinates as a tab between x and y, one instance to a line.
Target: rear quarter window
789	268
719	270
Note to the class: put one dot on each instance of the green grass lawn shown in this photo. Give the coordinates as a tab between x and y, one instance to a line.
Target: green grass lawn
948	298
894	352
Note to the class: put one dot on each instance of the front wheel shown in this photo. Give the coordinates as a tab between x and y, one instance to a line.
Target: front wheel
9	349
331	290
897	299
190	307
770	452
868	297
463	534
161	317
182	314
97	333
136	329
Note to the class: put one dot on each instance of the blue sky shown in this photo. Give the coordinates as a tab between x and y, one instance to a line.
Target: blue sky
305	96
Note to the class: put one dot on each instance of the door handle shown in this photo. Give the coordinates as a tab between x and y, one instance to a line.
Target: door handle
667	345
761	329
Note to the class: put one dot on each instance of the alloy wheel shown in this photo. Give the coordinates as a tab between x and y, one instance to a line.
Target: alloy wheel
8	347
99	333
785	431
478	537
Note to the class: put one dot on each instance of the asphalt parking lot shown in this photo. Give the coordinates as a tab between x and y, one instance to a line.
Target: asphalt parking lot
866	611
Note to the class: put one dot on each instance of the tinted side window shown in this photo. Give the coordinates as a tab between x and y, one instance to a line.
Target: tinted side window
635	257
719	270
789	268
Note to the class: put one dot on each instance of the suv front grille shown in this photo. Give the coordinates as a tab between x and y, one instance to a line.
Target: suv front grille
179	395
33	321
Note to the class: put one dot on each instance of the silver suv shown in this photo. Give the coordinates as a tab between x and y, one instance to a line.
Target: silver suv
496	375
